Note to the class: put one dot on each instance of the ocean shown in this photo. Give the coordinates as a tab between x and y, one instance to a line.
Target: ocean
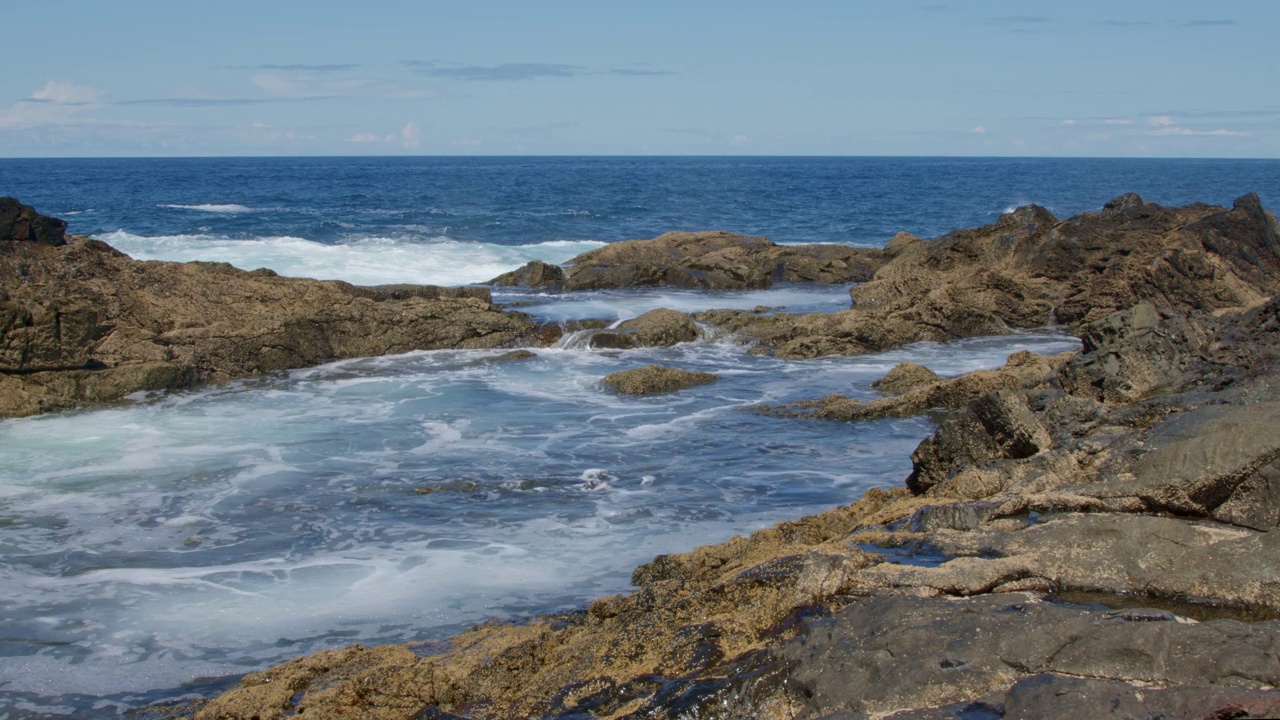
152	549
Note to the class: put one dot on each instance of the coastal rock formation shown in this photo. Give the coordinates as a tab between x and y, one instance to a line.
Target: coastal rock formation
904	376
918	393
711	260
1099	535
1030	270
655	379
81	322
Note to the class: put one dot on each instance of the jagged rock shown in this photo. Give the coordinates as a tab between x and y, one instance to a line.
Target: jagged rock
21	223
1132	354
713	260
1029	270
996	425
535	274
83	323
905	376
655	379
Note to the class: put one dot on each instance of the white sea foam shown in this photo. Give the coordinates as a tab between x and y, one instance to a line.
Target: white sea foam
368	261
211	208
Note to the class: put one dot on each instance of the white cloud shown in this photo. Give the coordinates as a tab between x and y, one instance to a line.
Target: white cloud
1069	121
740	138
411	136
980	129
466	142
1174	130
1117	121
364	138
66	92
1160	120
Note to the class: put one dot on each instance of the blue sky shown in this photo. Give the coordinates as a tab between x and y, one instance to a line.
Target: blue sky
121	78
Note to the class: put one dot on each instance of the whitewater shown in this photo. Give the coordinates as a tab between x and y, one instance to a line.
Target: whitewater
162	546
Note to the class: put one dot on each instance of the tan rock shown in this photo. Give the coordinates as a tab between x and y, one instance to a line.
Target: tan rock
654	379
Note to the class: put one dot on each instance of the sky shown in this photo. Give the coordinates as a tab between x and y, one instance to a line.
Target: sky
623	77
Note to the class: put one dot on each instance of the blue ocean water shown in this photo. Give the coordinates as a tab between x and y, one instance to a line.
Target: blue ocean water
149	546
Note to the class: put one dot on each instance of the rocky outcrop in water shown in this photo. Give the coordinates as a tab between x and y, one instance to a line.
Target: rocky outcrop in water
654	379
82	323
1031	270
1099	537
710	260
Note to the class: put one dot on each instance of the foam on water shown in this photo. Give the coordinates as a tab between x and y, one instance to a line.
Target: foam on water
211	208
363	261
400	498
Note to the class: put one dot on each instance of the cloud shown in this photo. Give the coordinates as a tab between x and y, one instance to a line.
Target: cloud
1124	23
466	142
1117	121
1069	121
1160	120
740	139
364	138
192	102
67	93
1174	130
1206	23
411	136
57	103
979	130
505	71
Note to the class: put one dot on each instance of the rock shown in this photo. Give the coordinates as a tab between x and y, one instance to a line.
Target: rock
1023	370
1029	270
1134	353
661	328
900	242
82	323
713	260
1020	657
535	274
905	376
21	223
997	425
655	379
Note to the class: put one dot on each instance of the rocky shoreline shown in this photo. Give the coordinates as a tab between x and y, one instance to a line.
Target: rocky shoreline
1084	535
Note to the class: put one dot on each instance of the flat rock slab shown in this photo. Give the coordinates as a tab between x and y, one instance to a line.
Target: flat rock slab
1014	655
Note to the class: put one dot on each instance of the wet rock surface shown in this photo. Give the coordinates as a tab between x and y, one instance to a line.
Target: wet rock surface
82	323
1141	473
654	379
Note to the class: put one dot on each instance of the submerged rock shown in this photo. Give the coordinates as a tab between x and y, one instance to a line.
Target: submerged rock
655	379
82	323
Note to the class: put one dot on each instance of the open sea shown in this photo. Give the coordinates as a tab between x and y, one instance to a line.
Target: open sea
157	548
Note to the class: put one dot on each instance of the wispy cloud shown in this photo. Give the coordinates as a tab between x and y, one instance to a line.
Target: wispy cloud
540	132
1206	23
196	102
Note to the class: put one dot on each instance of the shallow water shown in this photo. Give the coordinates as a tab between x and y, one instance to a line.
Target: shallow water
401	498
